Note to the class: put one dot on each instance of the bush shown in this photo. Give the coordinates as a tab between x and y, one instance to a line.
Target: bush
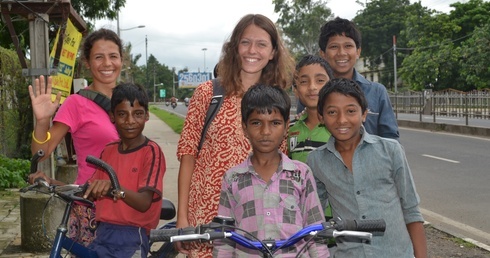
13	172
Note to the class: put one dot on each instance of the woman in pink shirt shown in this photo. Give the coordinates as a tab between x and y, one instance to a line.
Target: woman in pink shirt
88	123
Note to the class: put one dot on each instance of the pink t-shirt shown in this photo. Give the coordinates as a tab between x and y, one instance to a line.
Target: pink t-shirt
91	129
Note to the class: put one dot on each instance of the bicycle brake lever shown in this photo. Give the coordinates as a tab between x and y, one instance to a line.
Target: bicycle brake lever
38	182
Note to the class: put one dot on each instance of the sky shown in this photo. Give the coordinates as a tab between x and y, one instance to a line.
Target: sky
177	31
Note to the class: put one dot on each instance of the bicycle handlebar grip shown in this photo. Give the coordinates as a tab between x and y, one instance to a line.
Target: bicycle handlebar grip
163	235
35	160
375	225
107	168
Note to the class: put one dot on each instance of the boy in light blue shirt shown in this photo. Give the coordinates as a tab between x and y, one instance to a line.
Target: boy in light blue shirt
365	176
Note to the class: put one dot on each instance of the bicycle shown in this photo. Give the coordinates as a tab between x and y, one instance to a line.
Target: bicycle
223	227
72	193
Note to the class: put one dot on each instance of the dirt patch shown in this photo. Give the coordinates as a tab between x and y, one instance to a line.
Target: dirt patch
443	245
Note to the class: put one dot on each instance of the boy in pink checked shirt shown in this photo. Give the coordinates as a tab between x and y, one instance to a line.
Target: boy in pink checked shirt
269	195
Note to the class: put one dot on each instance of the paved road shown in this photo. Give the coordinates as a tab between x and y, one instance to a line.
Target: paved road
451	172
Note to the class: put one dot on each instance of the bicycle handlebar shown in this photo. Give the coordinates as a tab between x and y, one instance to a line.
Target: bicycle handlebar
107	168
333	228
35	160
70	192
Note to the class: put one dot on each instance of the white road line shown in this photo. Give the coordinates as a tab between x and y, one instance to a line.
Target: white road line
439	158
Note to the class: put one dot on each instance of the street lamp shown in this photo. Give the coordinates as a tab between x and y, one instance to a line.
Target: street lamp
135	27
119	35
155	92
204	51
132	28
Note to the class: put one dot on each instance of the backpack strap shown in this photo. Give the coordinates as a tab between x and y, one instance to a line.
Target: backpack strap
214	106
100	99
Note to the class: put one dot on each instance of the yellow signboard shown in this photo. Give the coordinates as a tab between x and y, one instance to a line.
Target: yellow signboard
63	80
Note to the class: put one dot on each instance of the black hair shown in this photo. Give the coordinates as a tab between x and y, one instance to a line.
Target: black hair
345	87
313	59
339	27
130	92
264	98
104	34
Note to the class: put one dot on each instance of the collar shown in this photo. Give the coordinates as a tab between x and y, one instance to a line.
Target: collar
303	118
285	164
366	138
359	78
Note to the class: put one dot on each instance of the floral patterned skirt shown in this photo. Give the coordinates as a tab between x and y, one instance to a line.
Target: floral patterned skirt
82	224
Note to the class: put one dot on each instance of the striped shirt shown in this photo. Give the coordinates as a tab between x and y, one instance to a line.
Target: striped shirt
302	140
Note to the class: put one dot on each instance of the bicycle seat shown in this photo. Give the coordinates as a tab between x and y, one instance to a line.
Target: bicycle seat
168	210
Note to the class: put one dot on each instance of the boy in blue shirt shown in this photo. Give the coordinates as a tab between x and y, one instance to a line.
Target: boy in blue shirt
340	45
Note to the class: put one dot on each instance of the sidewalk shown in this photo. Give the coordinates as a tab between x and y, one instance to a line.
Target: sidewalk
155	129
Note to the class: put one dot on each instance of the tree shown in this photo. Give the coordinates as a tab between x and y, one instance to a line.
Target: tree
15	107
475	55
157	73
300	22
129	63
442	54
87	9
378	23
433	59
98	9
470	15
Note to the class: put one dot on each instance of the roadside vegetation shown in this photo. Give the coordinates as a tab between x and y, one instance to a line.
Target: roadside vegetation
13	172
175	122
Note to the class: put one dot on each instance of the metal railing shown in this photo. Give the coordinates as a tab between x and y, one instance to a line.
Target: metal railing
447	103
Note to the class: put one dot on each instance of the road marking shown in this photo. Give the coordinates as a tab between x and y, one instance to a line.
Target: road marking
439	158
460	226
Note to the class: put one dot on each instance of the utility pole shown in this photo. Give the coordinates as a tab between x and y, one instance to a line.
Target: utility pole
39	44
154	86
394	63
173	81
204	67
146	53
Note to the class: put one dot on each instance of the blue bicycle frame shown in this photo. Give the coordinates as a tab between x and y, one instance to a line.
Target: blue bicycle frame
61	241
73	193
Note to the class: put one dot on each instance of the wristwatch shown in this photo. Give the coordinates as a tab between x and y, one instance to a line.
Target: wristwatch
118	194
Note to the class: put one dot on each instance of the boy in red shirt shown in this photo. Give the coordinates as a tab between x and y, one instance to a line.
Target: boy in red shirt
125	222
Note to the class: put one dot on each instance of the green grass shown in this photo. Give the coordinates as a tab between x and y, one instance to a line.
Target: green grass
175	122
462	242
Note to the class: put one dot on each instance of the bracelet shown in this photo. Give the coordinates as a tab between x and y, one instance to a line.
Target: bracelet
48	137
